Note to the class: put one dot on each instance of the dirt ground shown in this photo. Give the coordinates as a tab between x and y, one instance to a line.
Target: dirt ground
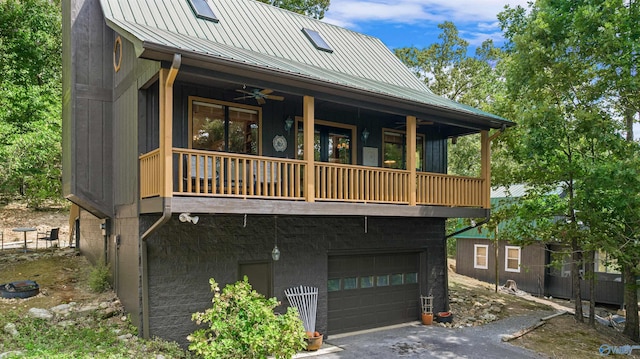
15	215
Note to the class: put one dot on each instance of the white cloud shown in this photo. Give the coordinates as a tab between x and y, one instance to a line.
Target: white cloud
411	11
476	19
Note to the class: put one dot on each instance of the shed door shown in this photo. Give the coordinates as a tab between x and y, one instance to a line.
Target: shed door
374	290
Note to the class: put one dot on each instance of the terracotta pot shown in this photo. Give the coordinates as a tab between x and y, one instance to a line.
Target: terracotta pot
314	343
427	318
444	317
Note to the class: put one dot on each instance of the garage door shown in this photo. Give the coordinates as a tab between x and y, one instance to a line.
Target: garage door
369	291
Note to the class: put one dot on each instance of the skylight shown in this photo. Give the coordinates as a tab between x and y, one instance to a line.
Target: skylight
202	10
317	40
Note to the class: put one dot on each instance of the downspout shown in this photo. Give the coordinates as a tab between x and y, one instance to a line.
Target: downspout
166	118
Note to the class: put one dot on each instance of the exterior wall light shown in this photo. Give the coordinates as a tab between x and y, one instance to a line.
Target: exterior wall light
365	136
275	253
288	123
187	217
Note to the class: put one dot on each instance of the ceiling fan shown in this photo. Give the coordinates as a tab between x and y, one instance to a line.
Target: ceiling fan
259	95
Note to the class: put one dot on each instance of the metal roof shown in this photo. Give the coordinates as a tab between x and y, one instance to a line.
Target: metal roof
254	34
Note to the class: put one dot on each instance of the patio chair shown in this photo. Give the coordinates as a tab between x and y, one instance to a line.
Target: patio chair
51	235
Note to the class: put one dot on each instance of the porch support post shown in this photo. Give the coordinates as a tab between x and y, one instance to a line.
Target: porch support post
485	167
411	158
167	77
308	157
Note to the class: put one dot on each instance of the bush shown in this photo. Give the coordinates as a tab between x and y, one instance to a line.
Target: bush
242	324
100	277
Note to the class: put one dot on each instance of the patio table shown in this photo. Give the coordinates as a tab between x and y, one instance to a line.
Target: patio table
24	230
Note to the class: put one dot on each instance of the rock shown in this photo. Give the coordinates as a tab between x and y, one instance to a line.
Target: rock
13	354
40	313
488	317
10	328
109	312
495	309
125	337
66	323
62	309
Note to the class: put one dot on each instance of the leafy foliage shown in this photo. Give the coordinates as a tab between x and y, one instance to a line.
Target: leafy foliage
242	324
100	277
449	72
30	99
570	98
311	8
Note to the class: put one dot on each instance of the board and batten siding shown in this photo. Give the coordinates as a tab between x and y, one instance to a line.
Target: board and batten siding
87	107
530	278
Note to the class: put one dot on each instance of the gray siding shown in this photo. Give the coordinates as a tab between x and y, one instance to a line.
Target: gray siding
531	277
87	112
182	257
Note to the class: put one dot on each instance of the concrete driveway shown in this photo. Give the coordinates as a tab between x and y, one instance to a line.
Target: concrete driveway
415	340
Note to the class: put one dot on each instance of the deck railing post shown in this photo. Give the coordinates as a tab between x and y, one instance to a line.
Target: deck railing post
308	156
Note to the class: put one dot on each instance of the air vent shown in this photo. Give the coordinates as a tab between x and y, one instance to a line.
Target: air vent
202	10
317	40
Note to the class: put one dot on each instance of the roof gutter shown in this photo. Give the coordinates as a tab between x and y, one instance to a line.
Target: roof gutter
166	208
472	226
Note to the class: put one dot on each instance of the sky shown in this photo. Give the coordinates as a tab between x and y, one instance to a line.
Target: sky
406	23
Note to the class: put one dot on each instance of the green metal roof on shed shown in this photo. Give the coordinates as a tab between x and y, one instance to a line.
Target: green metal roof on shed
255	34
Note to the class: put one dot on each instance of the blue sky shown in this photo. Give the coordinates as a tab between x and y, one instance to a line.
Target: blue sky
404	23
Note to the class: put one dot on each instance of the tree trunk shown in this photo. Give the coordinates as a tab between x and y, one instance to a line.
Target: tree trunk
591	276
631	325
575	279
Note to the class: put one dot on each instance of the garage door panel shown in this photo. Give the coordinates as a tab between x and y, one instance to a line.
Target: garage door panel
390	294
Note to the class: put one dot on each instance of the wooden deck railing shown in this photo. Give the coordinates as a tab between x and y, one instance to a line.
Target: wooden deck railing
336	182
219	174
446	190
207	173
150	179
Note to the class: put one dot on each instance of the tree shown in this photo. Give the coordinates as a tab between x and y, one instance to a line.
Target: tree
311	8
449	72
30	99
570	103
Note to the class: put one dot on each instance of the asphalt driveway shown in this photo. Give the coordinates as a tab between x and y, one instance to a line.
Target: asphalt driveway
421	341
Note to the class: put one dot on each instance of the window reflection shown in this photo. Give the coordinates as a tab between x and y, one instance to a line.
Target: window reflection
216	127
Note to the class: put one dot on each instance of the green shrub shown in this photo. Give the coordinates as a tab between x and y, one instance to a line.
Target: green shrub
100	277
242	324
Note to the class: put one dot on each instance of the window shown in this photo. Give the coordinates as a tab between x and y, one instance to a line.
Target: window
225	127
333	142
202	10
317	40
395	150
606	264
512	259
333	285
481	256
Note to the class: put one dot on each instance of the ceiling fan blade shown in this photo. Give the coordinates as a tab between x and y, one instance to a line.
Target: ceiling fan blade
261	101
266	91
245	92
274	97
242	97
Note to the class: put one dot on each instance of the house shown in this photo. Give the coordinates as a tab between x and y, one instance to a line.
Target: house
477	256
228	138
